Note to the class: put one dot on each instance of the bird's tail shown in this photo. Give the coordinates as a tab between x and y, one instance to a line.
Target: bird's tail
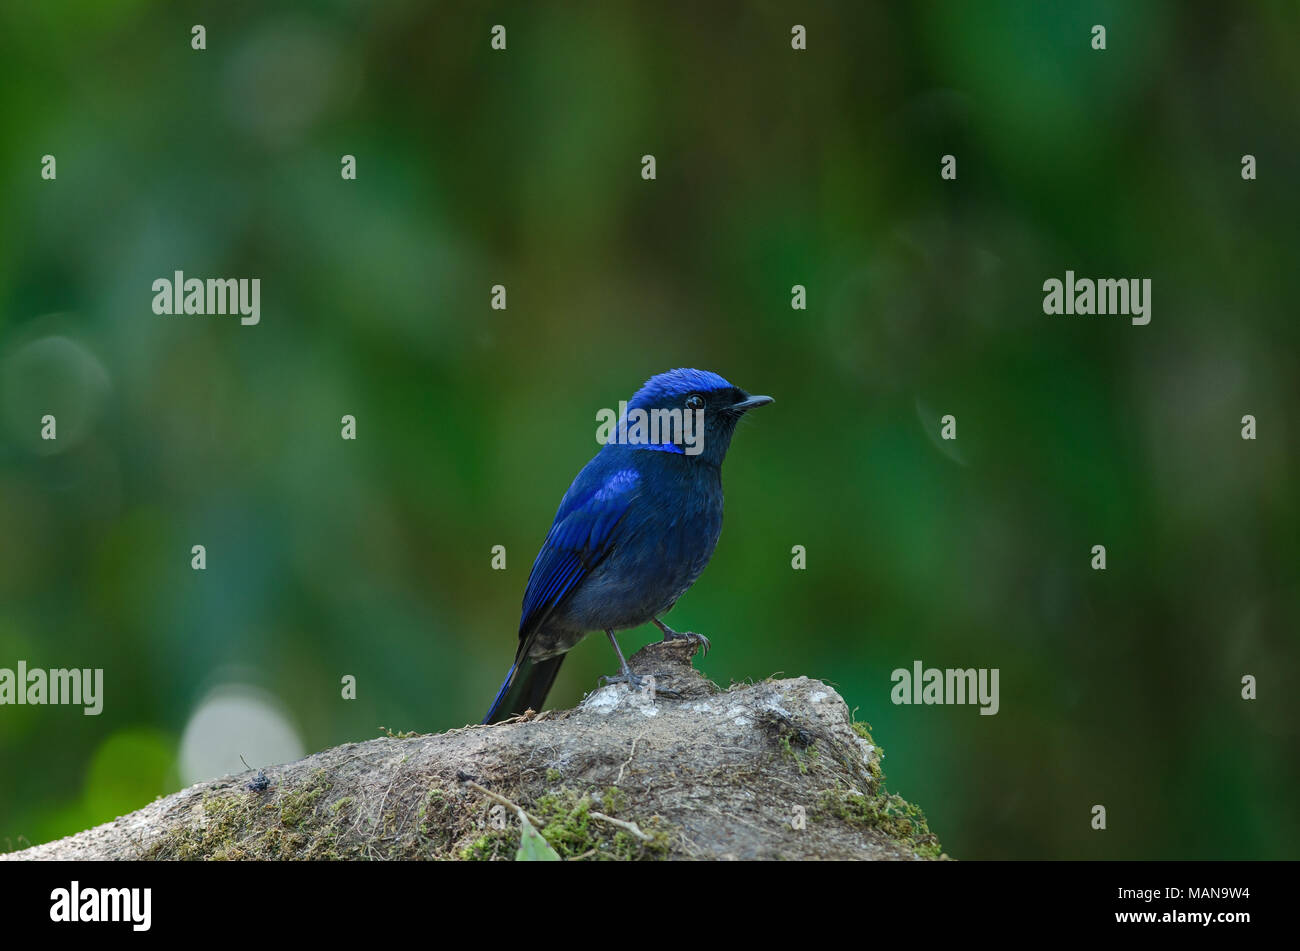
526	686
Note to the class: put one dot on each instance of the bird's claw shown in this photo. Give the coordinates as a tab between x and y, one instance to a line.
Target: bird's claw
633	681
698	639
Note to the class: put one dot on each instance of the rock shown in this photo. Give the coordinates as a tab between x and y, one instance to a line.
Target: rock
678	770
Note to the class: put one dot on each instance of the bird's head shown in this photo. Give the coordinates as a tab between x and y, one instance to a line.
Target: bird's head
691	412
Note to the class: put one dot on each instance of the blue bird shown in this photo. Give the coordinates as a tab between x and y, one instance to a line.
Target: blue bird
633	532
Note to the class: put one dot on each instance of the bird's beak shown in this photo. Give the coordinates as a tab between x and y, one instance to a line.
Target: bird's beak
749	403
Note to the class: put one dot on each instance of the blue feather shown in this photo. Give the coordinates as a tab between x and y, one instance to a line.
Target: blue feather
631	535
578	540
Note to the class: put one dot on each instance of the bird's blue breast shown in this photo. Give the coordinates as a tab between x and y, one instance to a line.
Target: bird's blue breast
634	531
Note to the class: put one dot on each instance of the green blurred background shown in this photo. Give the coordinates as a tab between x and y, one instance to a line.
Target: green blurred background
775	168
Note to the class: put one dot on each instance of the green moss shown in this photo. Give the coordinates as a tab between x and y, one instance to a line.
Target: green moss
248	825
566	823
301	819
285	844
800	747
629	848
298	805
873	767
568	827
436	818
886	812
877	808
302	823
497	844
219	835
613	801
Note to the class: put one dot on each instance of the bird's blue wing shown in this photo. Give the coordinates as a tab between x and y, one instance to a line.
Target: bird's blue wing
583	532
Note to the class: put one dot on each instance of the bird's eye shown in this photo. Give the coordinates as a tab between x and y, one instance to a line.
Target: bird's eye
695	401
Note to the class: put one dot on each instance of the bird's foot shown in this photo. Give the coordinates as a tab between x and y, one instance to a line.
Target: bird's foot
698	639
633	681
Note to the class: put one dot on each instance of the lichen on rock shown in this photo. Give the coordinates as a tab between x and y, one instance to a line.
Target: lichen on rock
680	770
